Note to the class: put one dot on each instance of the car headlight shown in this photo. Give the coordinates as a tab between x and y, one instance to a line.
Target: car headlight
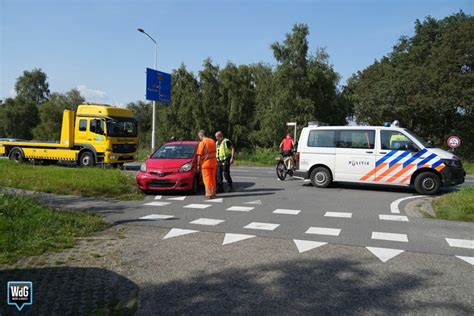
186	167
452	163
143	167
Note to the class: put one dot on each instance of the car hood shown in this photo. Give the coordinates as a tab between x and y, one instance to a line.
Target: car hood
442	154
164	164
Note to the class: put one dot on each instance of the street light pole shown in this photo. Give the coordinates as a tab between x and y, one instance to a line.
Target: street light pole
153	120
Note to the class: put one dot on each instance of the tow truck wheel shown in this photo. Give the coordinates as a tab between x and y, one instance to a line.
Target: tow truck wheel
321	177
86	159
427	183
17	155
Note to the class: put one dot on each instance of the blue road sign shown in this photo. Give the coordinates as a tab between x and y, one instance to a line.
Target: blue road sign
158	86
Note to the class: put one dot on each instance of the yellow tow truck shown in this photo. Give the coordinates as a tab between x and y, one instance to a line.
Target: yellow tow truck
95	134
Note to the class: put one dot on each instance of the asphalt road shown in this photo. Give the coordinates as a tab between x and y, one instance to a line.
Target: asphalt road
357	215
285	247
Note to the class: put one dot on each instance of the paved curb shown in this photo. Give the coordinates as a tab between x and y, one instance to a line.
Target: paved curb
419	207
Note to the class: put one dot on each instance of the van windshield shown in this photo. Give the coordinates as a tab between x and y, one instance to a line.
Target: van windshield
122	127
419	139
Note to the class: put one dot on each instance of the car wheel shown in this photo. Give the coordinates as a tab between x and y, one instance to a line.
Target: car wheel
321	177
427	183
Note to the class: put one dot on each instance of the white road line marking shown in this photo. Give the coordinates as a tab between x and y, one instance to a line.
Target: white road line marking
243	177
285	211
230	238
460	243
158	197
300	178
157	217
467	259
323	231
257	202
157	203
305	245
207	221
215	200
198	206
384	254
175	232
399	218
178	198
338	214
307	180
389	236
394	205
240	208
262	226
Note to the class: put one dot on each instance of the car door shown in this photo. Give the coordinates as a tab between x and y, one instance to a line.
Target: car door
355	154
397	157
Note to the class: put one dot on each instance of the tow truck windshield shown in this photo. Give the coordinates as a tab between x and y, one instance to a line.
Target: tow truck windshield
122	127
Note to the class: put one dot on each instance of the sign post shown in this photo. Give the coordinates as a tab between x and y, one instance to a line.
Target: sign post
158	88
454	142
292	124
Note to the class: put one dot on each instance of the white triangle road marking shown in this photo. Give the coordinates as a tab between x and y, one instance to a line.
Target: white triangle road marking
305	245
230	238
467	259
256	202
175	232
158	197
384	254
178	198
157	217
157	203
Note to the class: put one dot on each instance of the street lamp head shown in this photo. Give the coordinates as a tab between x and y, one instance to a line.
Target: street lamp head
141	30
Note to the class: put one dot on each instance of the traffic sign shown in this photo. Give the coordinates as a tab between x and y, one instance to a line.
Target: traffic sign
454	141
158	86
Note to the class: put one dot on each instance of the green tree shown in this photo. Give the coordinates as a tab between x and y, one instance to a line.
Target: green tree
213	116
143	114
17	118
32	86
426	82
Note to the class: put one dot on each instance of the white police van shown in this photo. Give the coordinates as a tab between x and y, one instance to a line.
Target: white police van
387	155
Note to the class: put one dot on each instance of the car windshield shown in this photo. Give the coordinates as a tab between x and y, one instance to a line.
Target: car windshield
419	139
122	127
175	151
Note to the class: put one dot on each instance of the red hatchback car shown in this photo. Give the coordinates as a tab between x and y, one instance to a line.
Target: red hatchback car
171	167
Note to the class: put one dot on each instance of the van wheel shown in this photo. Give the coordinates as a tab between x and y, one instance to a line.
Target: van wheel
427	183
16	154
86	159
321	177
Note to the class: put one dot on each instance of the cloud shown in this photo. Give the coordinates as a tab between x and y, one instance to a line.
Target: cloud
91	94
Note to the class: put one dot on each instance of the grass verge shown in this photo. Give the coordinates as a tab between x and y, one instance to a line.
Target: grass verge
97	182
468	167
257	157
456	205
28	228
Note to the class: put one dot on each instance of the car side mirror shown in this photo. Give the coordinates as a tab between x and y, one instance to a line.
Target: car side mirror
430	143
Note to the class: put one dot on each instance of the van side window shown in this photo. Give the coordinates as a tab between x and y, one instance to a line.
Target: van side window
321	138
360	139
393	140
82	125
